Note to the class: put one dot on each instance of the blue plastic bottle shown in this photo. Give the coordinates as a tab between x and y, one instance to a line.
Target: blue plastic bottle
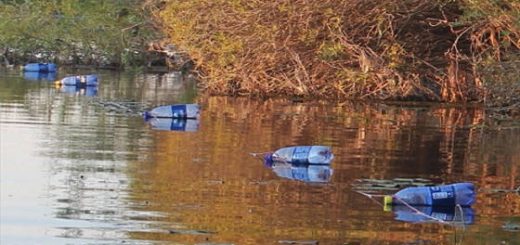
174	111
89	80
315	154
40	67
462	194
68	81
79	81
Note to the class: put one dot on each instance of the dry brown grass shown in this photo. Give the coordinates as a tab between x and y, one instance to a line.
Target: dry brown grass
417	49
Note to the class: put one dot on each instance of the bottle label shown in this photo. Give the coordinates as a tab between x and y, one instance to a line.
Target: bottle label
179	111
301	155
443	195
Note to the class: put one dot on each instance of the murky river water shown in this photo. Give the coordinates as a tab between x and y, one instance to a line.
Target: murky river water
77	167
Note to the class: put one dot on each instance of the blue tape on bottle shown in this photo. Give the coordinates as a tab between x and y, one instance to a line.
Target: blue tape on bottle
179	111
443	195
301	155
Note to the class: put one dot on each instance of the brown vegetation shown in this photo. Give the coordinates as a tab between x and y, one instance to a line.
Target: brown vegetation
419	49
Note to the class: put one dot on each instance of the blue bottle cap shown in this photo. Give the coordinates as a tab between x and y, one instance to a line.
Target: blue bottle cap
146	115
268	159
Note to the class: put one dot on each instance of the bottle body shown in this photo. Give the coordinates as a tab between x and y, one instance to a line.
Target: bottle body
80	81
174	111
315	154
40	67
51	67
89	80
462	194
68	81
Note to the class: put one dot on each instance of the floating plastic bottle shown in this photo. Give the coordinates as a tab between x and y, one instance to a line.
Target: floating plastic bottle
310	173
40	67
462	194
79	81
174	111
35	75
315	154
421	214
174	124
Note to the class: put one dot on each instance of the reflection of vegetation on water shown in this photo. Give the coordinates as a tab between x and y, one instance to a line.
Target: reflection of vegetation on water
105	33
15	88
91	150
204	184
208	180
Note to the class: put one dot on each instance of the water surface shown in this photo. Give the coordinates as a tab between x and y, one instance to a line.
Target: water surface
77	168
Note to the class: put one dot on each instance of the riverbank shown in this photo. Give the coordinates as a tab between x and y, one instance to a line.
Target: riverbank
447	51
106	34
442	51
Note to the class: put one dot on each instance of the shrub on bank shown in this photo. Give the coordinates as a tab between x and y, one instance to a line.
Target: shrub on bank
113	32
419	49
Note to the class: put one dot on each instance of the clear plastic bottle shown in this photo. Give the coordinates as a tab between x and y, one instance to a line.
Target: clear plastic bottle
315	154
462	194
79	81
174	111
67	81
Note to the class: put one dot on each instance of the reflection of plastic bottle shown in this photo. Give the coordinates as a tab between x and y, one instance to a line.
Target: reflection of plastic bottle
175	124
462	194
315	154
174	111
34	75
91	91
69	89
306	173
431	213
87	91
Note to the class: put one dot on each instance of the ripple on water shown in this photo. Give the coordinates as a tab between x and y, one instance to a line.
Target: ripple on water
97	175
